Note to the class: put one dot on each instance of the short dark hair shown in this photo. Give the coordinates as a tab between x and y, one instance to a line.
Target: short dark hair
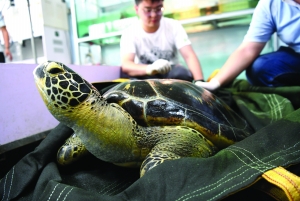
137	2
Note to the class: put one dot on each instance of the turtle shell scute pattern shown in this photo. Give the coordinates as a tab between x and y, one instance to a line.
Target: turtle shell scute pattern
174	102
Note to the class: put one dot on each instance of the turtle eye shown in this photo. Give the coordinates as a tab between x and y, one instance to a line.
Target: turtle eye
55	70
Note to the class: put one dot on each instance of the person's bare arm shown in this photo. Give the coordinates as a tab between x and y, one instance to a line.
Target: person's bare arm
192	61
6	42
131	68
239	60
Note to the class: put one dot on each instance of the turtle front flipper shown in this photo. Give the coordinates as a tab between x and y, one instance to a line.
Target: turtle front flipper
155	158
71	151
177	142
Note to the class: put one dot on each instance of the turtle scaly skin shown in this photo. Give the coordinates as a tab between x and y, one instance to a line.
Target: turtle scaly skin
71	151
109	132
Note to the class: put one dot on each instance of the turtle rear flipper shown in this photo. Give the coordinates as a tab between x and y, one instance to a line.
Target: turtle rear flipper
71	151
180	141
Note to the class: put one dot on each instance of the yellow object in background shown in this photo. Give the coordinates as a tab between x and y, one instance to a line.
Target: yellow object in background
213	74
186	13
121	80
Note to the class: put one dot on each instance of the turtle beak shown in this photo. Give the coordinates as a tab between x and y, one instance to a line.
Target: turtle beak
38	72
43	94
39	77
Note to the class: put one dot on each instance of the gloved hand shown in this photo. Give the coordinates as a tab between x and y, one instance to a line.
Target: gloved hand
160	66
212	85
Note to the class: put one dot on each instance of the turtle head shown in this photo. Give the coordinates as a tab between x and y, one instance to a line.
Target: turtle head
61	88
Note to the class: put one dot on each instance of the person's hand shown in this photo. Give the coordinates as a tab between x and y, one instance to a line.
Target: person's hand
8	53
212	85
160	66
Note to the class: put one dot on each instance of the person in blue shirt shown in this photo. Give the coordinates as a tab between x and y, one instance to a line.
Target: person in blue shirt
279	68
6	41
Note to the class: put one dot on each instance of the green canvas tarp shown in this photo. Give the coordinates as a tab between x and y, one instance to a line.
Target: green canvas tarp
234	173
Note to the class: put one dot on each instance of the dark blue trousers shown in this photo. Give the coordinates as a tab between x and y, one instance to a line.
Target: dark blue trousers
280	68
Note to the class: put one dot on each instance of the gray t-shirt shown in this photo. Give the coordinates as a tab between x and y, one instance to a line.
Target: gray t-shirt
162	44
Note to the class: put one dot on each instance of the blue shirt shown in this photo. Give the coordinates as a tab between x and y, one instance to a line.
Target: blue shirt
281	16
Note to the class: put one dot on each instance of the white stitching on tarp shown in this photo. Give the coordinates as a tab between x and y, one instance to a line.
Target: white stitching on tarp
275	106
67	194
4	186
213	198
263	164
61	193
103	189
272	111
217	184
52	191
113	192
113	185
279	106
274	159
11	181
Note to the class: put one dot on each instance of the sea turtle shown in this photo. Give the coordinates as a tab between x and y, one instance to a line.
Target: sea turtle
139	122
